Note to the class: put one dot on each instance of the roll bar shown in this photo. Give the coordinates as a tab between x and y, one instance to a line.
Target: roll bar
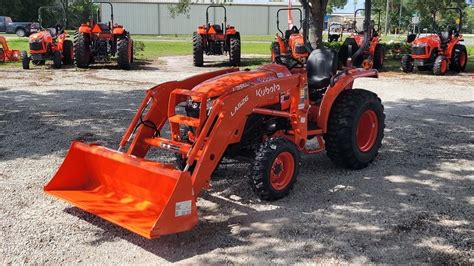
459	10
367	32
288	9
225	14
111	9
56	7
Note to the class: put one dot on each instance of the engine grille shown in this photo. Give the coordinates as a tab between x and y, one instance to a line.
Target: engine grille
417	50
36	46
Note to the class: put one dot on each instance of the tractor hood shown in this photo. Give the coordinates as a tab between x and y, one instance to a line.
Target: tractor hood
40	36
432	40
235	81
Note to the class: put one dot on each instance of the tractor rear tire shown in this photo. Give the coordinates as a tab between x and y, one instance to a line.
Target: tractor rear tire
25	60
57	58
198	53
68	53
234	53
355	129
379	56
82	53
407	64
440	66
459	58
275	168
124	52
2	55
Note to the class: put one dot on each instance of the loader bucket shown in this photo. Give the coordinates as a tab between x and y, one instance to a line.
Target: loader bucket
145	197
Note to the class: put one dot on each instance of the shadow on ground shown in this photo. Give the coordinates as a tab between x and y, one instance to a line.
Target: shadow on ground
414	204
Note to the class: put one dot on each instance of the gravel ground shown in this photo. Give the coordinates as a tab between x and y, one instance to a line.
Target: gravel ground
414	204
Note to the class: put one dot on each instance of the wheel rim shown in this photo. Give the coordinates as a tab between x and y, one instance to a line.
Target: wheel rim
283	168
367	130
444	66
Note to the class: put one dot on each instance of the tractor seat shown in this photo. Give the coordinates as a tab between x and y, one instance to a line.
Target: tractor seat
293	30
445	36
217	28
53	32
321	66
104	27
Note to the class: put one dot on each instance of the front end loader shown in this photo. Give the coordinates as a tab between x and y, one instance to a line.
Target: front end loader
267	117
7	54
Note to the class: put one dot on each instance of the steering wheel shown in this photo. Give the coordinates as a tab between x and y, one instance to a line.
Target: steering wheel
288	61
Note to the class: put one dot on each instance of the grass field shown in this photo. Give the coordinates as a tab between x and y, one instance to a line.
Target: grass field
168	45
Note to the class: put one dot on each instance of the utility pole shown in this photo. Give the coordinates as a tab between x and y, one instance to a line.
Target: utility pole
386	16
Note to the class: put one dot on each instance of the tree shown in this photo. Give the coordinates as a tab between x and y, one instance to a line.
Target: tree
317	11
23	10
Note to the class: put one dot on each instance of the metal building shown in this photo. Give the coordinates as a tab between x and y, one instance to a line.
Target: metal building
153	17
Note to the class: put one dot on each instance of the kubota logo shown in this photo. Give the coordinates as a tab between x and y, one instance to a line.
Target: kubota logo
265	91
239	105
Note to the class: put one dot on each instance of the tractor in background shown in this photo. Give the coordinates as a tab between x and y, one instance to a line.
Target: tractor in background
293	41
51	42
99	42
374	55
437	52
7	54
216	39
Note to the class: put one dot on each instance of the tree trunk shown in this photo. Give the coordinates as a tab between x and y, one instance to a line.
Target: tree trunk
317	11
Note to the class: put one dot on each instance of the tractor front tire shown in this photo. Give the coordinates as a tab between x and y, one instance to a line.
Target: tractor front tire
275	168
234	51
25	60
459	58
275	51
379	56
407	64
68	53
440	66
124	51
57	58
38	62
355	129
82	53
198	53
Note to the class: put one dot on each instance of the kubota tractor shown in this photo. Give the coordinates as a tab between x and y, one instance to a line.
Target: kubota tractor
7	54
293	42
374	55
98	42
51	42
268	117
438	52
216	39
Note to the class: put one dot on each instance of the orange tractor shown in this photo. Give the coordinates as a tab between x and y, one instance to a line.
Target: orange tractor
374	55
7	54
438	52
293	41
268	116
98	42
50	43
216	39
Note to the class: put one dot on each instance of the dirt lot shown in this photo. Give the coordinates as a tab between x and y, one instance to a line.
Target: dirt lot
413	205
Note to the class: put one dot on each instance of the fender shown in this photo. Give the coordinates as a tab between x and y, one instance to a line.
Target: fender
118	31
345	82
84	29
